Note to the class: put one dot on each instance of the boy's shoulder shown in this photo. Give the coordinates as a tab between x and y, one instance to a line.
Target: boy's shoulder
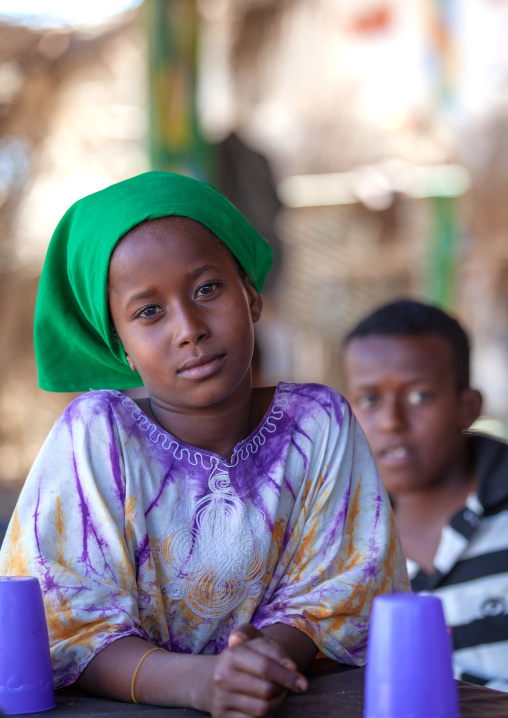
490	459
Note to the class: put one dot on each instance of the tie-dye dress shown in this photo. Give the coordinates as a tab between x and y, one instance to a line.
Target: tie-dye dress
133	533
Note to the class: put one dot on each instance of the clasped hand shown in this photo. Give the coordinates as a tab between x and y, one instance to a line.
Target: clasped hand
252	676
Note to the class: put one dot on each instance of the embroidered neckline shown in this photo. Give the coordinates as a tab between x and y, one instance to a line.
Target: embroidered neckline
245	448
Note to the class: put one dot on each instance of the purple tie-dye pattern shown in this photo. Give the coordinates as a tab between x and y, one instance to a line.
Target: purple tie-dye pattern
145	514
48	582
35	520
165	480
295	444
89	531
144	550
46	578
116	469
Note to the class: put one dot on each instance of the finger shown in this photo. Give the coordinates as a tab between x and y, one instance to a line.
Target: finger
289	663
261	708
235	639
262	666
238	714
243	706
268	647
243	632
239	682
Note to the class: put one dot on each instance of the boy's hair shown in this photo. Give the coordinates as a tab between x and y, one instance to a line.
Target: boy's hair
405	317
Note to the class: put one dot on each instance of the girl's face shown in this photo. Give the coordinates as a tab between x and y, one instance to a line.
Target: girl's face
183	313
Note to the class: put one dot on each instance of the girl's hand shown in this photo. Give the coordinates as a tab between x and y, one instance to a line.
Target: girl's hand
251	676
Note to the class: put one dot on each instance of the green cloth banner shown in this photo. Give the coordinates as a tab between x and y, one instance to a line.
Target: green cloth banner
175	141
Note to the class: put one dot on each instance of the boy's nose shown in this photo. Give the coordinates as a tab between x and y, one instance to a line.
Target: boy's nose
190	327
392	415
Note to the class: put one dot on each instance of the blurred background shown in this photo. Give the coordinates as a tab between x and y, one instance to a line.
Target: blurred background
367	140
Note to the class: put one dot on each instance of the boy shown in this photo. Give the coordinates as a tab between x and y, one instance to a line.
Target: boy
406	369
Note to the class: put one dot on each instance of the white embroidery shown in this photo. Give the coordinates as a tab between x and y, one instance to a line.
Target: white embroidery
168	442
214	554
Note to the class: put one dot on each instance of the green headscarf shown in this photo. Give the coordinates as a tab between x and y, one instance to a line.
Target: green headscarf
74	348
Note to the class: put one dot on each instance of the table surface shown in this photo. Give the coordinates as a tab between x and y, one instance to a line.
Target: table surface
335	691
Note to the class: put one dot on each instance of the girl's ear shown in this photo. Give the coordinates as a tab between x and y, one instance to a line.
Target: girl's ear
130	362
471	406
255	301
114	335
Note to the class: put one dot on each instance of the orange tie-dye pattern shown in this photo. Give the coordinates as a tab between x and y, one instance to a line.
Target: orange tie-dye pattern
104	566
130	508
301	555
60	542
61	621
16	562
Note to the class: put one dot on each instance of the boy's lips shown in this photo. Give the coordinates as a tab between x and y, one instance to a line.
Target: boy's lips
394	455
200	367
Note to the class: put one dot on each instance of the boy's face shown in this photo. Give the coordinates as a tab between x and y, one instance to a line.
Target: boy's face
183	313
404	392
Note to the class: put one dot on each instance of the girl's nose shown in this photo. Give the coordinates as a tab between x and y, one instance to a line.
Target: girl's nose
189	324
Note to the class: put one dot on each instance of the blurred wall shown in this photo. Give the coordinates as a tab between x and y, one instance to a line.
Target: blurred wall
72	121
369	116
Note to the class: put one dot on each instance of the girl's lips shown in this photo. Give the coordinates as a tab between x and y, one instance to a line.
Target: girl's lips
201	367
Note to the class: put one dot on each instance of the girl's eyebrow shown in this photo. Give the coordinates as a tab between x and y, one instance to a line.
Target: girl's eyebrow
205	268
150	291
138	296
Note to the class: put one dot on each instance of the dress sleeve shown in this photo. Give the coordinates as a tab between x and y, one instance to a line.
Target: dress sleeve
70	530
340	548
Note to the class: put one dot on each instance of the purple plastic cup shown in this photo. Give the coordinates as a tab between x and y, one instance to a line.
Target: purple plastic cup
409	660
26	681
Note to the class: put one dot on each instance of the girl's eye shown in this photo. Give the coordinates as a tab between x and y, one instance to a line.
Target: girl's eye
149	311
419	397
206	289
366	402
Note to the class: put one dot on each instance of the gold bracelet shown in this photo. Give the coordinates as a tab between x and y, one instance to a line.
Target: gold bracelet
137	669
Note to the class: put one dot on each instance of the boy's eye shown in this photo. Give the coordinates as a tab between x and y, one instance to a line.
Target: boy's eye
149	311
418	397
366	402
206	289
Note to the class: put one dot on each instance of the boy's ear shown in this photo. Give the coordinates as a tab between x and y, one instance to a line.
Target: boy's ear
471	406
255	301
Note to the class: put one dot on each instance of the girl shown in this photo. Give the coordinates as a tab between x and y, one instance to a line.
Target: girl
210	530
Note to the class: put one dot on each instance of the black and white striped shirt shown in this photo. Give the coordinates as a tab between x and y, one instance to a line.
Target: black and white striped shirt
471	575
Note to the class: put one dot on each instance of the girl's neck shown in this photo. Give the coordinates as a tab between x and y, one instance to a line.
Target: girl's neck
217	429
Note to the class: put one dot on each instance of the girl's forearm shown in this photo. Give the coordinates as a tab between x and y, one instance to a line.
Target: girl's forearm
301	649
170	679
164	679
